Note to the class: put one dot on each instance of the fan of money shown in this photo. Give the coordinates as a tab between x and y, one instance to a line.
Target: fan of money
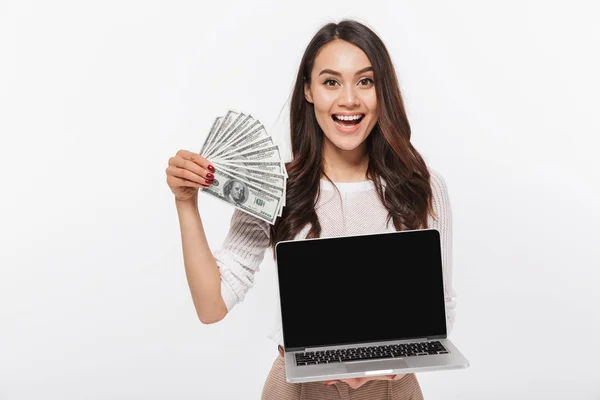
249	172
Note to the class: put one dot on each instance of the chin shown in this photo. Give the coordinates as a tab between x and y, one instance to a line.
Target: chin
347	145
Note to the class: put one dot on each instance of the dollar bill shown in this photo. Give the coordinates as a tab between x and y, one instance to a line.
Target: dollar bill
228	119
271	187
265	154
249	171
273	178
223	142
260	182
249	127
253	136
271	181
227	131
270	153
259	144
211	133
267	166
240	131
255	168
245	196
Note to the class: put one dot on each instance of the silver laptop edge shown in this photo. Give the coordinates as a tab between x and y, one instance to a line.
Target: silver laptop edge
389	366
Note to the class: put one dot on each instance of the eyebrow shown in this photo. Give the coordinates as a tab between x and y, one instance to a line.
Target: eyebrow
332	72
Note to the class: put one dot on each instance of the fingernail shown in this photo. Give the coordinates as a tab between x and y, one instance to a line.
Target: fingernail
209	181
209	175
211	168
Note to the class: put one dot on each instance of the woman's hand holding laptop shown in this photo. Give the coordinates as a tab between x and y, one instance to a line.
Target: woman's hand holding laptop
355	383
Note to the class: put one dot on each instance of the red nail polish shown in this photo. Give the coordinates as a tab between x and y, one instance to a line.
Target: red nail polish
209	181
209	175
211	168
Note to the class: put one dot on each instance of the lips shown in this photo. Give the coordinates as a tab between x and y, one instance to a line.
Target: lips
347	123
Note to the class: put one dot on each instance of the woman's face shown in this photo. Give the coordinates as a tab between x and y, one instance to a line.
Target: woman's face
342	90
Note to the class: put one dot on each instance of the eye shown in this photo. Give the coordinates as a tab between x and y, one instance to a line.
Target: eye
330	82
366	81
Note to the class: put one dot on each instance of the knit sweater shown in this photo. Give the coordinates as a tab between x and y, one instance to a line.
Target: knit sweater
356	210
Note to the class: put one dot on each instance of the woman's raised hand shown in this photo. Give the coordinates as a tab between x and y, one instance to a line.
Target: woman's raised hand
187	172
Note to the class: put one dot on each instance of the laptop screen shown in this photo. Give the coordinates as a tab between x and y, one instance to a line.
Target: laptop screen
358	289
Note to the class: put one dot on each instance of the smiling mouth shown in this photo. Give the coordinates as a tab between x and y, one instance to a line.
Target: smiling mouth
347	120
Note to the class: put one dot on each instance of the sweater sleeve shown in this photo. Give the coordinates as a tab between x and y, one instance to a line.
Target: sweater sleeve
240	255
443	223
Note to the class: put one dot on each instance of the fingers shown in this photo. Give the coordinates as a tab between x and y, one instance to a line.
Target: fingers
196	159
193	163
355	383
187	175
352	382
191	167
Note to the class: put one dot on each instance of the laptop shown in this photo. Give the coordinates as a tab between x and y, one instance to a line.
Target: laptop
364	305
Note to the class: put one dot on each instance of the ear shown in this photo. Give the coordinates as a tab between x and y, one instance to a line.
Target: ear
307	93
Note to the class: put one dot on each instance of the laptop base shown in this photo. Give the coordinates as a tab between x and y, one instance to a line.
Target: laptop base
364	368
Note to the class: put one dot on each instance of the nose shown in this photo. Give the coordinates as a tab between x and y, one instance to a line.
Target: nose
348	97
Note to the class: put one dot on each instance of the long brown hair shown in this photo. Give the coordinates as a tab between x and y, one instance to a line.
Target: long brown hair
407	195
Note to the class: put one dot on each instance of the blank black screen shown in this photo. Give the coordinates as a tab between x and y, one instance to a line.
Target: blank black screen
357	289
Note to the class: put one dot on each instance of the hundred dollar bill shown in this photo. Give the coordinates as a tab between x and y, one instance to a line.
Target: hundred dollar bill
267	154
274	178
252	136
256	133
259	144
244	196
268	181
263	184
228	130
211	133
254	167
273	185
228	119
233	132
239	131
270	153
267	166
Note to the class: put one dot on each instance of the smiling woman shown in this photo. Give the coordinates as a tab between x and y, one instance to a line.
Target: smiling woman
343	130
353	171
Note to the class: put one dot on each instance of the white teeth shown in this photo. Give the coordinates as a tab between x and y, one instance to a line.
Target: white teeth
348	117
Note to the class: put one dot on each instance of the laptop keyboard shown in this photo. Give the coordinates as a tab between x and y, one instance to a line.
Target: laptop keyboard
371	353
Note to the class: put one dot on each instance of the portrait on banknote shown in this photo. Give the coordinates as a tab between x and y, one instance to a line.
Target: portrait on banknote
236	192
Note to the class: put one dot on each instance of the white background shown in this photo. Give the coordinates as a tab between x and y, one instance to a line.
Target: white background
95	97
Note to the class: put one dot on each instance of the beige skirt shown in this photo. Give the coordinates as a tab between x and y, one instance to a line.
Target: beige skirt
277	388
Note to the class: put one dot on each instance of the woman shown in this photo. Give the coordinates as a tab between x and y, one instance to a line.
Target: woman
353	171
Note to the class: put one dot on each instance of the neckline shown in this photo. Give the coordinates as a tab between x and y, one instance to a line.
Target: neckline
359	186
